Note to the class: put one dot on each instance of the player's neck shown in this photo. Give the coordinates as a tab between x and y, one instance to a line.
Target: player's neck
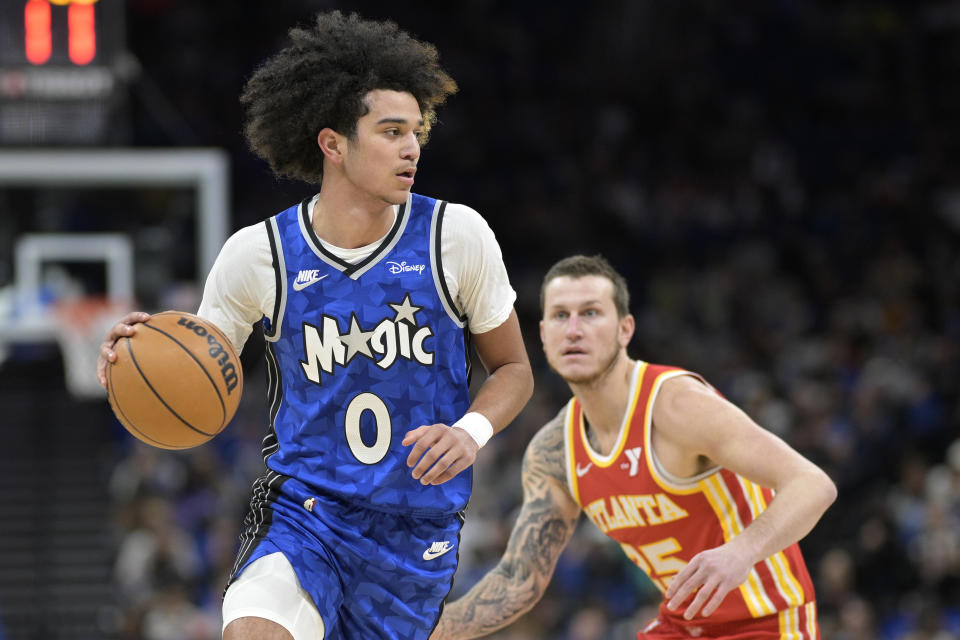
605	399
347	220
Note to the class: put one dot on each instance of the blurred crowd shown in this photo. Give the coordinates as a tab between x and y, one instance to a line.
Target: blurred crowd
779	182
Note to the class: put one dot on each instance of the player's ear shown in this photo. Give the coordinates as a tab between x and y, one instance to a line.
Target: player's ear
627	326
332	144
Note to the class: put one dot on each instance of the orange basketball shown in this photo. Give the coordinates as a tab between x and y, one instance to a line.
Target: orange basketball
176	382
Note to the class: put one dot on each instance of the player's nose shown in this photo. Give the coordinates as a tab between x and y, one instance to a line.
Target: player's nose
411	149
574	328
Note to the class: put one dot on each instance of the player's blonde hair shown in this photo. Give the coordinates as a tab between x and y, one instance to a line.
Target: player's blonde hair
579	266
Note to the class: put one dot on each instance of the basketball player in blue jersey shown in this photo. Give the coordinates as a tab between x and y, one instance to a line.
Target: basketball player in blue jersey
369	296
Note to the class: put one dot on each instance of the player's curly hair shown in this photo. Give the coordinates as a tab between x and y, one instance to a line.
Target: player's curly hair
320	80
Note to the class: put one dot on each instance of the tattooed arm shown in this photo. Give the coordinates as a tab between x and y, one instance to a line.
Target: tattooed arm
543	528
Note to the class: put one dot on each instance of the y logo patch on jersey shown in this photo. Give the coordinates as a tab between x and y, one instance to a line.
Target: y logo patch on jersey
582	471
307	277
437	549
633	455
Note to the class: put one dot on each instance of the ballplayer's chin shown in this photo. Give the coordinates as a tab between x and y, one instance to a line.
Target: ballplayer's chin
578	375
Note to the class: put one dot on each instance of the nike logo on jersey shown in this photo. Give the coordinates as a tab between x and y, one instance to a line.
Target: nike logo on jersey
581	471
307	277
437	549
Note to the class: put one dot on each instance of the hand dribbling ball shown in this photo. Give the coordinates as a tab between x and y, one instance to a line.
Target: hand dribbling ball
176	382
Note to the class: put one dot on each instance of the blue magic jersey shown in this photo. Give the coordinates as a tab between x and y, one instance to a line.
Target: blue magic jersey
359	354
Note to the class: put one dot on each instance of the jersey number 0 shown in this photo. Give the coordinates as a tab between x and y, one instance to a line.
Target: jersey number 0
368	402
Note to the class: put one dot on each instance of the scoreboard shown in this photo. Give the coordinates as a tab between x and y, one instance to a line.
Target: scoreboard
59	64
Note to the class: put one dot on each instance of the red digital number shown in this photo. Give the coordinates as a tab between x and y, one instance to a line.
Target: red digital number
83	36
81	31
36	21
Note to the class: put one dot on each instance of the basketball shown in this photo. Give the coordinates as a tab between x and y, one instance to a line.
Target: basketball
176	382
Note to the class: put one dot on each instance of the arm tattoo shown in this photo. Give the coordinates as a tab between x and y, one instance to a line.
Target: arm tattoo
545	524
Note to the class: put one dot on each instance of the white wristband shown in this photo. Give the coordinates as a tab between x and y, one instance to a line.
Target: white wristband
477	425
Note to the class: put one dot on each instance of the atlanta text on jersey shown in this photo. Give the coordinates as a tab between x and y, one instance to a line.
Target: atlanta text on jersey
633	511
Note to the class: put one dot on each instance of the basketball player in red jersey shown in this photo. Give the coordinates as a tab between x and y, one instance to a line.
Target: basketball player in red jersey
706	502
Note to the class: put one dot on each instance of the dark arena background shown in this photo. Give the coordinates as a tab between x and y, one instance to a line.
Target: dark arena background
779	181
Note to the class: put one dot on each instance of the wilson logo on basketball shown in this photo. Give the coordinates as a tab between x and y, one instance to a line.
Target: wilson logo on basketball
216	352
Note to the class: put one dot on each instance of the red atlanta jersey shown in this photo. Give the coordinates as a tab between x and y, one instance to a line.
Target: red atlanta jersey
662	521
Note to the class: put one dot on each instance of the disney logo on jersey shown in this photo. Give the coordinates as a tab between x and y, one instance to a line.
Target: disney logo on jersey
402	267
399	336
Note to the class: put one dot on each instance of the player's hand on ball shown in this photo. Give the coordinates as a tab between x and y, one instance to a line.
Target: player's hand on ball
124	328
439	452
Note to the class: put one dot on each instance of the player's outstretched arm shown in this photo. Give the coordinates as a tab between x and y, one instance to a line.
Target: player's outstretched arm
123	328
439	453
546	522
693	418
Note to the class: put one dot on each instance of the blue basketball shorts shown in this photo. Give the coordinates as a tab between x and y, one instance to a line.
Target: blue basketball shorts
372	575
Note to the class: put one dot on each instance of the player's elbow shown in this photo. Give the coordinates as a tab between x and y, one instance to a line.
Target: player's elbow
825	487
525	382
831	491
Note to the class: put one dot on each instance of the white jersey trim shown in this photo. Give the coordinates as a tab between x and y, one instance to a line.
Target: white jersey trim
281	279
372	253
436	266
404	214
607	460
663	477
